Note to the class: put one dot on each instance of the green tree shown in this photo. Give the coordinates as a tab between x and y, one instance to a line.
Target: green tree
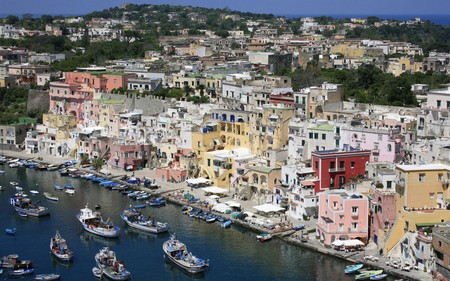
97	163
84	159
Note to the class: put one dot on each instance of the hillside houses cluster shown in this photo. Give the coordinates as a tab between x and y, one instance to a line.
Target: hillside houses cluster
375	173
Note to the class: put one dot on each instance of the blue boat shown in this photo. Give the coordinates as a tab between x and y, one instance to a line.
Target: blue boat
158	201
10	231
220	219
353	268
139	206
226	224
22	271
299	227
69	186
210	218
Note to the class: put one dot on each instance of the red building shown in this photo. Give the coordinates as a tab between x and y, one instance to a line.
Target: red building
287	99
335	168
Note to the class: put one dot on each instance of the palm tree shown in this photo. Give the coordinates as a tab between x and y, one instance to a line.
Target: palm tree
187	91
201	88
84	159
97	163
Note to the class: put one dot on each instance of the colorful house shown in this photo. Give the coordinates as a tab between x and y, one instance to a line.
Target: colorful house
342	216
421	199
334	168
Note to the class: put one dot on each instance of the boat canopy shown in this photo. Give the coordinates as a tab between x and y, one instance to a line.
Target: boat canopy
221	208
233	204
198	181
267	208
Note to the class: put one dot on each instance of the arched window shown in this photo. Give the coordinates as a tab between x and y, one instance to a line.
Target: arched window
389	147
263	179
255	178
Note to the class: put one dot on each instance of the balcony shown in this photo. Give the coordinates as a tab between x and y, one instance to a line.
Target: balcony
376	151
336	170
400	181
354	214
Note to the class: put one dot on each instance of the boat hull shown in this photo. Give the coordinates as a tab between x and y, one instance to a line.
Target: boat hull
33	212
155	229
114	276
97	231
189	269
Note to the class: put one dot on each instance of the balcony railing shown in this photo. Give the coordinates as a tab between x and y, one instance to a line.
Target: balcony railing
354	214
336	170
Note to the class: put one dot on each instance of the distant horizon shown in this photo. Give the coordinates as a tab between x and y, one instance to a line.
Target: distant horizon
284	7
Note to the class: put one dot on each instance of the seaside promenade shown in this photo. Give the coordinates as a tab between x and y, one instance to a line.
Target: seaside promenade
168	189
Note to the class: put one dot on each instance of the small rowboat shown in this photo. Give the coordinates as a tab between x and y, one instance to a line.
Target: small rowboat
22	213
263	237
22	271
353	268
379	277
34	192
226	224
49	196
10	231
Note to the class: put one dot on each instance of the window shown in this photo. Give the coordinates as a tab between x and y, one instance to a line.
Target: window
310	135
332	165
341	227
317	164
440	177
209	162
334	204
354	209
341	164
431	195
389	147
324	137
421	177
354	225
389	184
331	182
352	164
438	103
316	136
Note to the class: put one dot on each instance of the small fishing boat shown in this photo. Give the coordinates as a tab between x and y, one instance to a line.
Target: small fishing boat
70	191
59	248
52	167
210	218
58	187
49	196
18	188
14	165
353	268
34	192
10	231
226	224
69	186
13	183
367	274
97	272
177	253
12	262
110	266
2	188
220	219
92	222
2	172
135	219
21	202
158	201
263	237
47	277
139	206
379	277
21	272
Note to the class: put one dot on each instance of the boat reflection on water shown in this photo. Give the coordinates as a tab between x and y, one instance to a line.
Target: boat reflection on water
58	263
92	239
175	271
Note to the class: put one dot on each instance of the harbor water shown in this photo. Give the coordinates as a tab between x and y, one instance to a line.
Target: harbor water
234	253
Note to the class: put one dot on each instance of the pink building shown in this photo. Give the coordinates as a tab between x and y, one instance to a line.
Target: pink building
386	144
383	213
98	80
172	174
129	155
68	99
342	216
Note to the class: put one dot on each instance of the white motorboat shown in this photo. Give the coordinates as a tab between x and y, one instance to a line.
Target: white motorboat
178	254
93	223
59	248
134	218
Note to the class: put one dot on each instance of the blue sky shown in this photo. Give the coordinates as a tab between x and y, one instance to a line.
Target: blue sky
283	7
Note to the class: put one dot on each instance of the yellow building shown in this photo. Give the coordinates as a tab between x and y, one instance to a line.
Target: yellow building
59	121
219	165
402	65
348	51
421	198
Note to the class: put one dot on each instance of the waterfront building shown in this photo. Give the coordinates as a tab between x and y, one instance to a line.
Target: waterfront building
334	168
342	216
441	250
421	198
15	133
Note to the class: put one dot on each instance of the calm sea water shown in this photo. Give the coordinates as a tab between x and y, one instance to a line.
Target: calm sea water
234	253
